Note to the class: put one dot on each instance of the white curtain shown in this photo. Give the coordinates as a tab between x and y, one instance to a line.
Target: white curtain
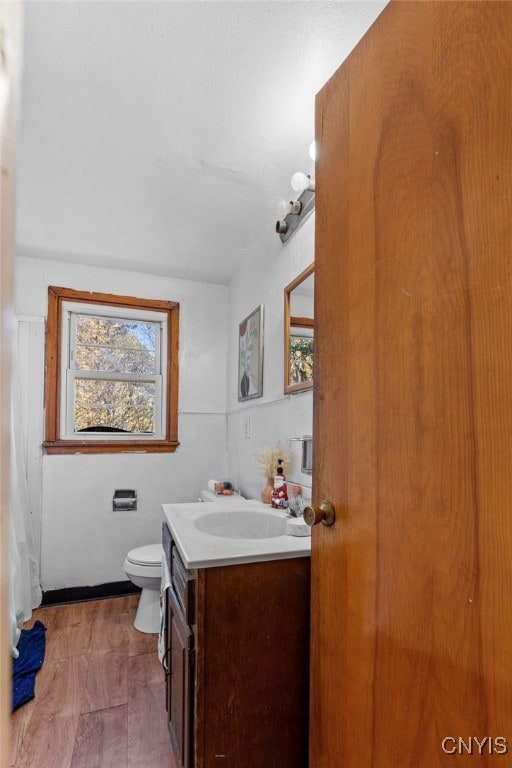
24	586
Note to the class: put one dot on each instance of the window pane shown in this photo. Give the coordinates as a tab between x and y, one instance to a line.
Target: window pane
114	405
301	359
114	344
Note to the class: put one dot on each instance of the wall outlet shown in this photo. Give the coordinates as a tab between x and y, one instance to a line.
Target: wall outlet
247	428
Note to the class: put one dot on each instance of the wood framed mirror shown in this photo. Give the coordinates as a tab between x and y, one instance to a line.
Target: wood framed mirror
299	326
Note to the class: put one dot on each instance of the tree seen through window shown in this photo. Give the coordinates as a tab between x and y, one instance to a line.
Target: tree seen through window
114	346
301	359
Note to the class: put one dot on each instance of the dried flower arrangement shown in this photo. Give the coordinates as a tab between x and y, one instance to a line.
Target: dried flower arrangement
267	460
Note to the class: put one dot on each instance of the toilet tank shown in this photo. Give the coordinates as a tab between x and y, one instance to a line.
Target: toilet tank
207	495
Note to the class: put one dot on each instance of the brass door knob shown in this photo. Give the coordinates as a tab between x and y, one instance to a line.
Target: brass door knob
325	513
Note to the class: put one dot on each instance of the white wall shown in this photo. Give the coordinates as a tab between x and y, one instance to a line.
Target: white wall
275	417
83	542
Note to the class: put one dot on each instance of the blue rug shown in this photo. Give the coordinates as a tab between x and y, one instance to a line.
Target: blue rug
31	647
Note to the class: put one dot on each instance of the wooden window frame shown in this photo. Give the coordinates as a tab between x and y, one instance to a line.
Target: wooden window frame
53	444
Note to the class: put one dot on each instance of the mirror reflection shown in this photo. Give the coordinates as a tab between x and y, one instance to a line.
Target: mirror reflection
299	332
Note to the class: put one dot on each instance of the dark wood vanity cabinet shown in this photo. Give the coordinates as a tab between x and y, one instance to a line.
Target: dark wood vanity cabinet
237	660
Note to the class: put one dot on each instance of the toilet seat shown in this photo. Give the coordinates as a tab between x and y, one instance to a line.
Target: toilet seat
151	554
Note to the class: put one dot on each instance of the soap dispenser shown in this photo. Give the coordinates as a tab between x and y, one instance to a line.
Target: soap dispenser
280	493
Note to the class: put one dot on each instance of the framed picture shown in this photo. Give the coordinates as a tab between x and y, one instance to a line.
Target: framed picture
250	356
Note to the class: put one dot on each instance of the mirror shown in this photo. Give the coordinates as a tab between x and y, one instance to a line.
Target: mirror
299	332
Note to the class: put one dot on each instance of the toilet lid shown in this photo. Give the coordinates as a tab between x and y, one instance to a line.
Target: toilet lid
151	554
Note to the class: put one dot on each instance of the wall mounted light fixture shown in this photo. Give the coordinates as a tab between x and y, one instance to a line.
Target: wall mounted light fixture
291	215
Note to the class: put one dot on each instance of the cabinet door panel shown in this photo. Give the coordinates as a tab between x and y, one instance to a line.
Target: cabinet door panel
180	691
166	661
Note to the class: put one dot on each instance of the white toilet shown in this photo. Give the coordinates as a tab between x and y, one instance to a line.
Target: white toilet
143	566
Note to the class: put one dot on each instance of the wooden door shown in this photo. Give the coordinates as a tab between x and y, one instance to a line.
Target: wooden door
412	586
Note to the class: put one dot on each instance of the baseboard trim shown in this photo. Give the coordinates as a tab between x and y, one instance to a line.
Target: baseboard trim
96	592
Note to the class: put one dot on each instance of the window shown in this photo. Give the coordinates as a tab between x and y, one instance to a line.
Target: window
301	357
111	373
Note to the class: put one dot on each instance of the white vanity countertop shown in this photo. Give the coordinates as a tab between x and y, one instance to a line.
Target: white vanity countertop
204	550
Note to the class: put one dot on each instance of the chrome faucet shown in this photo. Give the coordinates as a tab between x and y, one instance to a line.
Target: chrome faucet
296	505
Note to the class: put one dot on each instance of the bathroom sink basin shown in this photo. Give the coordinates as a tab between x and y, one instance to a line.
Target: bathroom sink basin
211	534
241	524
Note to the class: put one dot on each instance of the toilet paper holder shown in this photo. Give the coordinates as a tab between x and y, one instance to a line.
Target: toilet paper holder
124	499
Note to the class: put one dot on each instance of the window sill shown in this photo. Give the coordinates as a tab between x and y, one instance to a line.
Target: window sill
109	446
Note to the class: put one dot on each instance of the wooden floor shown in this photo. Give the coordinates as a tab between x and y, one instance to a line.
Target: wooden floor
100	698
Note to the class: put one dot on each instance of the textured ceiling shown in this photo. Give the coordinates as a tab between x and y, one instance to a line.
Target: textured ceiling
159	136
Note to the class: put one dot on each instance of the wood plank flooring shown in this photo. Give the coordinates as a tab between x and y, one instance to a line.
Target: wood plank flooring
100	697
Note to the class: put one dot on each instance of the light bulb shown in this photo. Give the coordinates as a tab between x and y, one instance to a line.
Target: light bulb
300	182
312	150
284	208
